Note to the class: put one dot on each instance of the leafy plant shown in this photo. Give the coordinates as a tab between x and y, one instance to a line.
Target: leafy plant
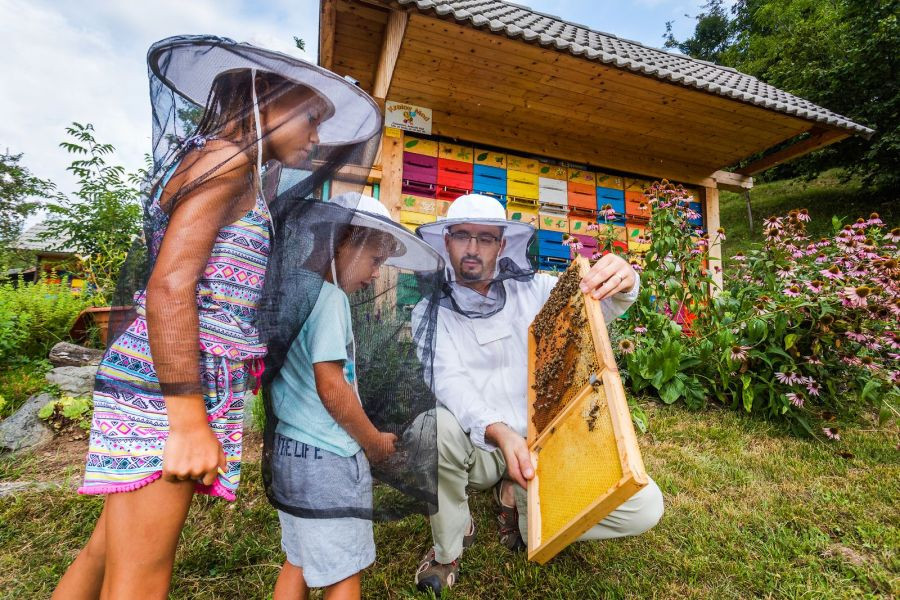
67	411
103	217
805	330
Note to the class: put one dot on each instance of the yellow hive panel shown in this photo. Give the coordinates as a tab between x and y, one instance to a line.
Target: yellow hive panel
522	164
418	145
569	481
551	170
490	158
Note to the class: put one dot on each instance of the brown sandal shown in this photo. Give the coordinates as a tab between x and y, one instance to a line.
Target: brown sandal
508	518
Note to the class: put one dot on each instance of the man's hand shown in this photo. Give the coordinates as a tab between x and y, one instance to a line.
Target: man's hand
515	452
609	275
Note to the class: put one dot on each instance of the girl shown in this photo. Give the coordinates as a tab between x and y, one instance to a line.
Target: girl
169	393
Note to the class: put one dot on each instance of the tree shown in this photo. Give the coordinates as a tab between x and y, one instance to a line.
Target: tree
21	194
713	34
840	54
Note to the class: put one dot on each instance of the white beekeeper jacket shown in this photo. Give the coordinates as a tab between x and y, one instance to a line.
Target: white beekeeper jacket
480	365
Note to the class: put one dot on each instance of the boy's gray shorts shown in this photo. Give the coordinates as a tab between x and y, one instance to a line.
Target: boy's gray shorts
316	484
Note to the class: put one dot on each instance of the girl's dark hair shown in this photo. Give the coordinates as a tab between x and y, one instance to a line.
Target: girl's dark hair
230	102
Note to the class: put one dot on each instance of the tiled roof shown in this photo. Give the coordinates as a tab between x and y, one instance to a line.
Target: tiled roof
516	21
32	239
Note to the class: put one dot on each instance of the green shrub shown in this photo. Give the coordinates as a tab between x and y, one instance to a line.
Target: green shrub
34	317
783	340
20	381
67	411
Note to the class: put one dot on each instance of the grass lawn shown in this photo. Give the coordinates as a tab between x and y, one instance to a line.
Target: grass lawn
823	197
751	512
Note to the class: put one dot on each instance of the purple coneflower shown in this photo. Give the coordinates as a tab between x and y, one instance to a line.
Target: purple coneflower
796	399
831	433
894	235
856	297
789	378
640	329
784	272
739	353
791	292
626	346
832	272
815	286
803	215
860	224
739	257
874	219
857	336
812	387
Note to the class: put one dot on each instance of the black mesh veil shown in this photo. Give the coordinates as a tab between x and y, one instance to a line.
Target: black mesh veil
320	260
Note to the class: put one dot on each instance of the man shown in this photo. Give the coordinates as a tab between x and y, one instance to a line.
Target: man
480	378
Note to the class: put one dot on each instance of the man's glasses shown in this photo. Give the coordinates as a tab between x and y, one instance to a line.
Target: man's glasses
482	239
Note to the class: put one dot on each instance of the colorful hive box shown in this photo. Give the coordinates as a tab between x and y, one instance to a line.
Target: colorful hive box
636	241
419	174
523	164
581	195
522	185
553	221
551	170
580	221
489	158
588	243
553	191
526	213
607	180
421	146
454	178
582	176
489	179
637	206
458	152
553	264
418	204
636	184
411	220
550	245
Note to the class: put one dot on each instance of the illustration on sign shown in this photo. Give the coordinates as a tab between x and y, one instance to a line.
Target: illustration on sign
407	117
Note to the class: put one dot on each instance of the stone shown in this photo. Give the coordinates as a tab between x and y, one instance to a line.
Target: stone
73	381
65	354
24	429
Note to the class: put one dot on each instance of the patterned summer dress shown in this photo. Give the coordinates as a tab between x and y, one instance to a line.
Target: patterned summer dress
130	425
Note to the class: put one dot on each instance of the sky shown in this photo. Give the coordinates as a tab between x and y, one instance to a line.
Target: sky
85	61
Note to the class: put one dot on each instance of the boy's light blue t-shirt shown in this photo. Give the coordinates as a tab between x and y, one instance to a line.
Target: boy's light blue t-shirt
326	336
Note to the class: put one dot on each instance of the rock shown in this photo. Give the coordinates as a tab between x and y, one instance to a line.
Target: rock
74	381
25	429
65	354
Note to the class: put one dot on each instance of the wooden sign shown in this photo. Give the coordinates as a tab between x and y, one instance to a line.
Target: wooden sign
582	442
407	117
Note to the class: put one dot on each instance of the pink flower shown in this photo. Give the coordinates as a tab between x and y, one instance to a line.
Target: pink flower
856	297
739	353
626	346
815	286
803	215
784	272
813	388
640	329
788	378
875	220
772	223
832	272
859	224
796	399
831	433
739	257
812	360
791	292
593	227
857	336
596	256
894	235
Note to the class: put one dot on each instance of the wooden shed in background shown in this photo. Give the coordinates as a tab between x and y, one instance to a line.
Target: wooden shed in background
505	78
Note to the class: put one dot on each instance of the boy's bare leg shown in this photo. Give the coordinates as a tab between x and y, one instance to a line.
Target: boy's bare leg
142	531
346	589
84	577
291	585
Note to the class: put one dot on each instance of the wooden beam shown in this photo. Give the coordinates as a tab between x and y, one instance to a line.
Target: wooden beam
819	138
326	33
391	163
390	50
711	216
732	182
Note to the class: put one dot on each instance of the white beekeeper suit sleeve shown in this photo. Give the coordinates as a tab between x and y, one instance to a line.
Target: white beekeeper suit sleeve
454	388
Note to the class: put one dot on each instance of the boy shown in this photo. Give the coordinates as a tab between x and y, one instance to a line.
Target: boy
324	440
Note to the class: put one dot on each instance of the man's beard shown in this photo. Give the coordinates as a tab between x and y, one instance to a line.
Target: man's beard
468	275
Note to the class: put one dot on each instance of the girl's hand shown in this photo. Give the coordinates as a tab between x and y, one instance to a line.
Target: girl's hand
381	446
192	450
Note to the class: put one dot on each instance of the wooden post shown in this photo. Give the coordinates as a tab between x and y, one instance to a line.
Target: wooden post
711	212
327	19
390	50
391	160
